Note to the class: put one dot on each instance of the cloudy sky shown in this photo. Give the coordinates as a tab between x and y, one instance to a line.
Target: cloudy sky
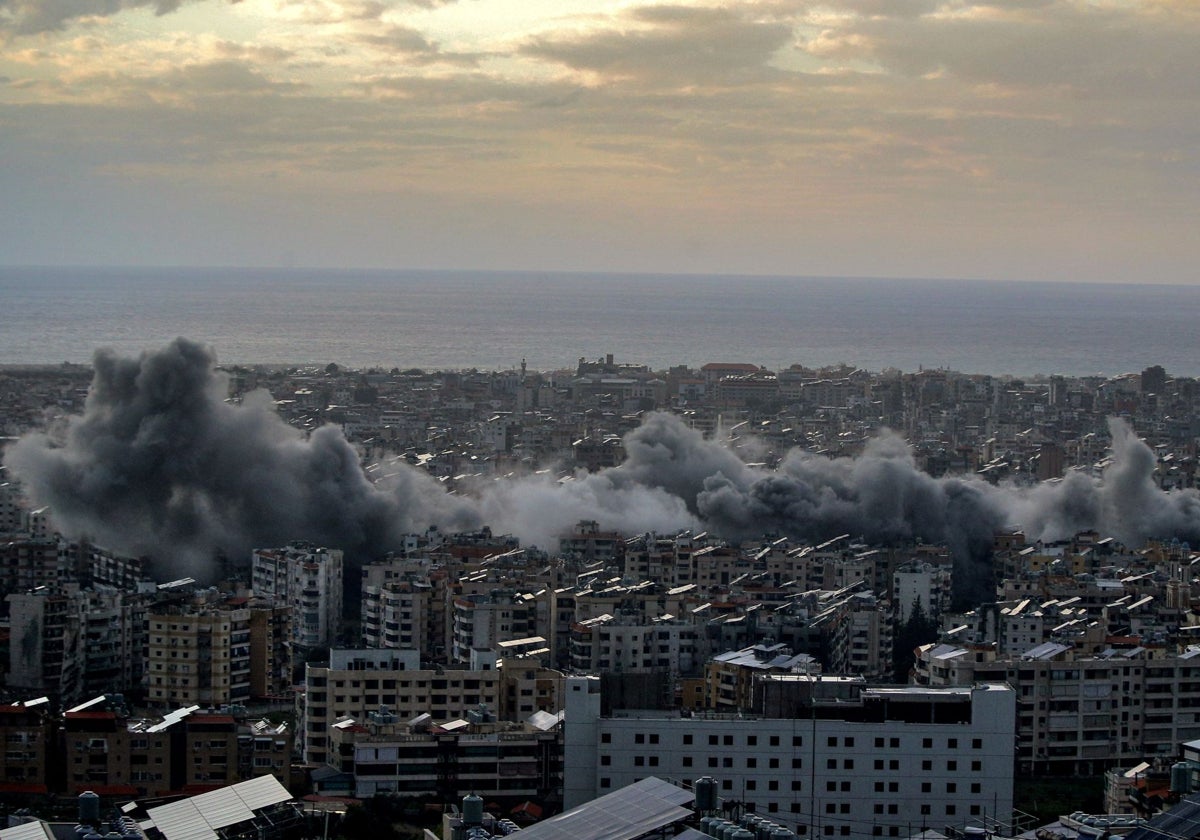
1019	139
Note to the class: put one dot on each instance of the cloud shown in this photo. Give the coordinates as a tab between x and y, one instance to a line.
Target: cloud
682	44
26	17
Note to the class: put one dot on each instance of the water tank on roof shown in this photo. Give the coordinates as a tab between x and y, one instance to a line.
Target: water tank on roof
706	793
472	808
743	834
1180	778
781	833
89	808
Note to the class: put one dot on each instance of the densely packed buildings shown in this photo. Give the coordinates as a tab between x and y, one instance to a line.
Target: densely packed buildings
447	665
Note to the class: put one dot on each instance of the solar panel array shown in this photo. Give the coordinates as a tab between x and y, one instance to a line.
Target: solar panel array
35	830
199	817
1180	823
625	814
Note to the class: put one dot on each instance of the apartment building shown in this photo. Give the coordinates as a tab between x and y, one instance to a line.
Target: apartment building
309	580
47	652
27	732
1083	714
198	655
357	683
477	755
830	758
629	642
113	754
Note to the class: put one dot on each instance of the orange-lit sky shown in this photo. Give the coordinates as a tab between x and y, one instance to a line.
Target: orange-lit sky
1029	139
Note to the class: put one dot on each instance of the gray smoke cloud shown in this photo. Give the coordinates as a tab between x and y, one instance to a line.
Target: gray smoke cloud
159	463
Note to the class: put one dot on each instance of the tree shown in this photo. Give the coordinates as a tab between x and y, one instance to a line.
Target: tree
919	629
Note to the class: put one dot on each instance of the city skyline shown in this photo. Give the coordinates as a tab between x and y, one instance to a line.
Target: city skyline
1023	141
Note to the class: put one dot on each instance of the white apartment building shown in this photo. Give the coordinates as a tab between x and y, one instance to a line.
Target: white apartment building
887	762
920	583
358	683
630	643
1083	714
309	580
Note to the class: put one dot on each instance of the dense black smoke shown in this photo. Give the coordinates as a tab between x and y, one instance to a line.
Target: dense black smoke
160	463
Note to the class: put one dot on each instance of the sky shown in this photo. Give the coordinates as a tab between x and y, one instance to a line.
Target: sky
1016	139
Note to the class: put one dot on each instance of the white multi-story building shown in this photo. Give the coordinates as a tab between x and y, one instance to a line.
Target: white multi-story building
630	643
1082	714
920	583
354	684
882	762
309	580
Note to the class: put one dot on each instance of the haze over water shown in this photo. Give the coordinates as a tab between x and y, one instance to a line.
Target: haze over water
492	320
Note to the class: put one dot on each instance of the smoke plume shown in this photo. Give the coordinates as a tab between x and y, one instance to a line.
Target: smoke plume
159	463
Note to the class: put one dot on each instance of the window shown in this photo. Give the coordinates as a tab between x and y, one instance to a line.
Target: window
687	740
751	763
653	737
848	742
927	764
832	742
951	743
894	764
751	740
879	764
976	766
976	743
895	743
687	761
848	764
712	740
951	787
878	743
926	787
605	737
605	760
639	738
950	810
927	743
830	787
774	740
797	784
728	740
831	764
797	740
975	787
845	787
797	763
879	787
773	763
639	761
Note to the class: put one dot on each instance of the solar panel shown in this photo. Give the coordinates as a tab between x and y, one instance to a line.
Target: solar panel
630	812
198	817
35	830
222	807
262	792
181	821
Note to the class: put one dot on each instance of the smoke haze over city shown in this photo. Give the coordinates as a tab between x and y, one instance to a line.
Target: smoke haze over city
158	462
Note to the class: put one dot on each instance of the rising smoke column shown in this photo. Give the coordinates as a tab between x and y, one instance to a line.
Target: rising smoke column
160	464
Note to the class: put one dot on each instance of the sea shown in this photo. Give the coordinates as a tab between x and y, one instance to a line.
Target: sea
490	320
